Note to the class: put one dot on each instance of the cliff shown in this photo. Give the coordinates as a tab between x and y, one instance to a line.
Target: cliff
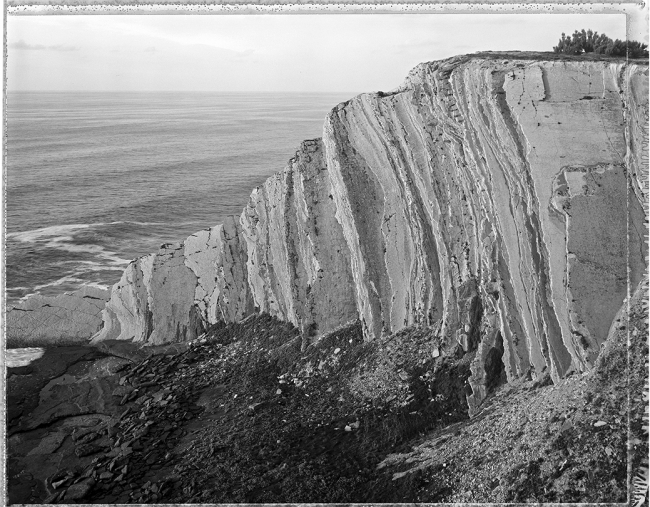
494	200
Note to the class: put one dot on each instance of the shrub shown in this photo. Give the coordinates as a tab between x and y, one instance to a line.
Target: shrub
588	41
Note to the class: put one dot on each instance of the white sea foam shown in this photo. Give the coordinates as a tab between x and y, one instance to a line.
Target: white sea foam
58	237
79	283
58	282
132	222
26	297
61	243
36	291
90	266
162	206
97	285
62	238
22	299
60	231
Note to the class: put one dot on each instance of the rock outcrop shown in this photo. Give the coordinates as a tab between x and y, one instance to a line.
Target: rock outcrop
71	316
493	198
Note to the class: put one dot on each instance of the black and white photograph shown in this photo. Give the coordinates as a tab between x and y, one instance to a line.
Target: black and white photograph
325	253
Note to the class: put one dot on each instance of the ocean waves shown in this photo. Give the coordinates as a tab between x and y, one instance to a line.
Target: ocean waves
58	258
63	232
61	258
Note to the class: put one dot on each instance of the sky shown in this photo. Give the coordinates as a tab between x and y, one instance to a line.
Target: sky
263	53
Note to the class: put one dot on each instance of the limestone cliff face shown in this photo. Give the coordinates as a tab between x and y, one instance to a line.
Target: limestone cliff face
493	195
490	198
298	260
285	255
170	295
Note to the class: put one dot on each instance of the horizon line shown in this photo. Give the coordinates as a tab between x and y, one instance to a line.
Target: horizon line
180	91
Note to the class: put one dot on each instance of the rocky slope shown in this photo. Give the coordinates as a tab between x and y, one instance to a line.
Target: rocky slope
244	415
495	199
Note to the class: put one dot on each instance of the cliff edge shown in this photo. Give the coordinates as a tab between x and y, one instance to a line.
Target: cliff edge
494	200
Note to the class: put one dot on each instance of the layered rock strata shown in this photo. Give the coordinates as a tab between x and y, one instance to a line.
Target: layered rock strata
495	199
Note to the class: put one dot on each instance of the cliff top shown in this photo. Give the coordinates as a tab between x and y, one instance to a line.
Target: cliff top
532	56
549	56
535	56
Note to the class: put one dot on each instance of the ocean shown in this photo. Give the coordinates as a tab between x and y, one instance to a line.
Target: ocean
94	180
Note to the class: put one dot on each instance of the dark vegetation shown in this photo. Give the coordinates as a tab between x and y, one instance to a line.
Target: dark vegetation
587	41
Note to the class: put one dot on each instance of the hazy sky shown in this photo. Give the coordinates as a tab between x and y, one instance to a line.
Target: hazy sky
306	53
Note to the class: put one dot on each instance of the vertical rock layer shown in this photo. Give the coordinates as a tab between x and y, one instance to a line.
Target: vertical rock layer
298	260
491	195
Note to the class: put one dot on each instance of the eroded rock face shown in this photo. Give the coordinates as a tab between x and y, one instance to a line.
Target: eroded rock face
298	260
445	194
286	255
492	196
168	296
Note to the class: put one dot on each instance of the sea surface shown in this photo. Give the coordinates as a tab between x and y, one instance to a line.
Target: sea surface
95	180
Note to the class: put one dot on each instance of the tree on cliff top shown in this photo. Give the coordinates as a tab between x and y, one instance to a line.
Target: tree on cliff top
587	41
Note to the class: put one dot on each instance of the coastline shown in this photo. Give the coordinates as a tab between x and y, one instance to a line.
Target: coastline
342	355
343	421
